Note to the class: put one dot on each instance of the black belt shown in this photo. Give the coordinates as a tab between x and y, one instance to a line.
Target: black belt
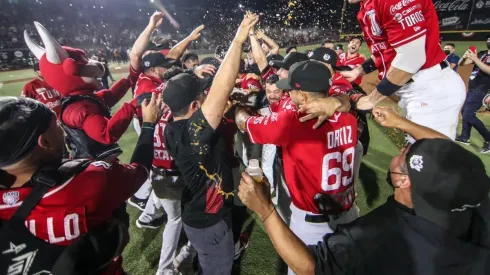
444	64
165	172
323	218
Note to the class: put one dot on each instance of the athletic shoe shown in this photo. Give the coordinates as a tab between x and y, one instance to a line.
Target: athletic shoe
154	224
486	148
138	203
462	140
186	256
241	245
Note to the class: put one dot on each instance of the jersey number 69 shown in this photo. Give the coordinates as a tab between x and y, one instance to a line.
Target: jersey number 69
342	171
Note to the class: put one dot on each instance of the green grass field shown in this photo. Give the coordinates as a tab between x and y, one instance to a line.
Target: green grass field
142	254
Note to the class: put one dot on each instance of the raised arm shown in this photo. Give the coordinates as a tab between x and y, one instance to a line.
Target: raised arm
465	60
481	65
224	80
388	117
179	49
257	53
141	43
272	44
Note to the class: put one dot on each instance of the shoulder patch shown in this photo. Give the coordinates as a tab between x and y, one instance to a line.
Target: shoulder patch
103	164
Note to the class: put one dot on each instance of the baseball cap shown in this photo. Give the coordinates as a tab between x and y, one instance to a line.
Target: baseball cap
289	60
308	76
339	47
180	91
325	55
157	60
448	183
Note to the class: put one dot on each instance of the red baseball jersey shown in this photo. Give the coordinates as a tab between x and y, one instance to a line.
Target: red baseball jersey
40	90
389	24
148	84
353	62
315	161
250	82
340	85
284	104
85	201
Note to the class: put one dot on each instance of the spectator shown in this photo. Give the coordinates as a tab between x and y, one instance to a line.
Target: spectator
327	43
414	232
477	89
39	90
339	49
452	58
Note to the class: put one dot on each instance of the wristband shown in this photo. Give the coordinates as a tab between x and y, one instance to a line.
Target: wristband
273	209
368	66
387	88
148	125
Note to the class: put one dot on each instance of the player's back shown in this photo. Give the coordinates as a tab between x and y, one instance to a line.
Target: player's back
321	161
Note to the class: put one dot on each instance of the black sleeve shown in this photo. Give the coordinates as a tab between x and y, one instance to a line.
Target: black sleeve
332	255
143	153
200	133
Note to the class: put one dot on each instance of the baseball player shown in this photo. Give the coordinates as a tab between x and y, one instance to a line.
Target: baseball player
318	164
352	57
403	36
39	90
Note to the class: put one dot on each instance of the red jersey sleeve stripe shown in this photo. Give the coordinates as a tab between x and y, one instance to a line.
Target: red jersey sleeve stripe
409	39
248	130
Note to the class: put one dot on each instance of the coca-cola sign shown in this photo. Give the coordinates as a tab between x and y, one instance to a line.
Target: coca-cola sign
398	6
454	5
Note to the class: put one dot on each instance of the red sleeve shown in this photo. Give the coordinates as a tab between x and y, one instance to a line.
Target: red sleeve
112	96
403	20
87	116
144	85
133	76
271	129
28	91
110	184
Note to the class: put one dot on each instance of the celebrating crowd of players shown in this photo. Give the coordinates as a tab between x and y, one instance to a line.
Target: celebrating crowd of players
200	122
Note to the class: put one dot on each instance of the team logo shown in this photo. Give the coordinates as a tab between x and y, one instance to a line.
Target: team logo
104	164
310	54
479	4
11	198
398	17
417	162
271	63
147	63
326	57
21	264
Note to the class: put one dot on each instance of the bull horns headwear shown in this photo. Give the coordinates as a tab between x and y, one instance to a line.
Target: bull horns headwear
55	54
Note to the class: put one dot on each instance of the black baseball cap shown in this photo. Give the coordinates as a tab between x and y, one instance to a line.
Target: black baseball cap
324	55
339	47
448	183
157	60
180	91
289	60
308	76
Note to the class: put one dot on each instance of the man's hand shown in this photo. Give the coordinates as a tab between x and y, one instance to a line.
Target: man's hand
352	75
154	108
387	117
470	55
249	21
196	33
156	20
256	196
208	69
260	34
321	108
241	117
365	103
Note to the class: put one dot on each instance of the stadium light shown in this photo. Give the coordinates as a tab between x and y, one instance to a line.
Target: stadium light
71	5
151	1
